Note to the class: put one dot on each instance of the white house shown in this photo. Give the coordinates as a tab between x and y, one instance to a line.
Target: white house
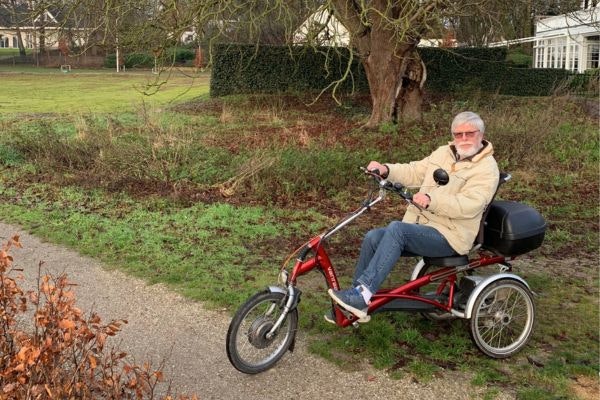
29	28
324	29
569	41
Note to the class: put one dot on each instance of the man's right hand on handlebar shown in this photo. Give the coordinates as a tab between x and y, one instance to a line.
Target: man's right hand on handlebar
383	169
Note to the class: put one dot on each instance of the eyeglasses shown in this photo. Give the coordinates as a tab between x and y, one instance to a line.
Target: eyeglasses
468	135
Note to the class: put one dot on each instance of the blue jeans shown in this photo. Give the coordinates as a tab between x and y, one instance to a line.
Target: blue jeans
382	248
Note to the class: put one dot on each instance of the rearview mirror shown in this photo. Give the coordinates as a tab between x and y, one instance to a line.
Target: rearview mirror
440	176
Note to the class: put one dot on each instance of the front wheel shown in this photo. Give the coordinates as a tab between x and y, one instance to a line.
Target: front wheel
503	318
248	347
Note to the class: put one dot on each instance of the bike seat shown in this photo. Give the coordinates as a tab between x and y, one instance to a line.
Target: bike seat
450	261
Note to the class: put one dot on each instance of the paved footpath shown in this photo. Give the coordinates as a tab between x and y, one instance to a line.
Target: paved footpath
165	326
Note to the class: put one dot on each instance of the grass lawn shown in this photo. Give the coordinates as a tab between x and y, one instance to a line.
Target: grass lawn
210	195
29	90
12	52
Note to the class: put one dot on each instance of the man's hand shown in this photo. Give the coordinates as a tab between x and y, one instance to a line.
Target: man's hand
383	170
421	199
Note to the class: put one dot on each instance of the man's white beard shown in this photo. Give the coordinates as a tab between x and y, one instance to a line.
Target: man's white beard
468	153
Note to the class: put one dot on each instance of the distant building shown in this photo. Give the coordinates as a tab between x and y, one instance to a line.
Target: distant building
569	41
9	21
322	28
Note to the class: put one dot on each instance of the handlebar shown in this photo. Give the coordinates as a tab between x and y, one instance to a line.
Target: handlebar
384	184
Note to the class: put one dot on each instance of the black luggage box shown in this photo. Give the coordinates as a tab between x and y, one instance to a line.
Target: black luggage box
513	228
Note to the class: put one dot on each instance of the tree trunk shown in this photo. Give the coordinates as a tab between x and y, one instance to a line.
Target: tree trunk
409	97
20	43
17	21
384	69
42	32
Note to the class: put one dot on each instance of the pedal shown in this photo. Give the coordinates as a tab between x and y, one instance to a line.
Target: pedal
357	320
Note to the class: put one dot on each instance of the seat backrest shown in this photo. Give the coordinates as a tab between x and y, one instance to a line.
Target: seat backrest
504	177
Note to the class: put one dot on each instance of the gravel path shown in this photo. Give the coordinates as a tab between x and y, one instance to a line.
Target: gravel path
164	326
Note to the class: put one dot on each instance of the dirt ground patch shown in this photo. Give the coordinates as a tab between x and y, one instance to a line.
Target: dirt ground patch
586	387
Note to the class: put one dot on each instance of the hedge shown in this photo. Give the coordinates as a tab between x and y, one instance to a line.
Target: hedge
467	69
268	69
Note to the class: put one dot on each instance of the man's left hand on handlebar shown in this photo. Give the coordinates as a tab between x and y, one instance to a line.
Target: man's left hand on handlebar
421	199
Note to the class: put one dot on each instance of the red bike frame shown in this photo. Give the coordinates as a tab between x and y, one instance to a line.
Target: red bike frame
446	275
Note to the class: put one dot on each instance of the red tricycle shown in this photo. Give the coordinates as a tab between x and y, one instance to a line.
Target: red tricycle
499	306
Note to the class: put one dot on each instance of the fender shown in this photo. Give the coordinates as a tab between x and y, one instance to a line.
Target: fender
417	269
483	284
277	289
294	292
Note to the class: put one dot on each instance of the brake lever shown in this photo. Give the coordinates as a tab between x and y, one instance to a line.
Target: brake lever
373	172
401	190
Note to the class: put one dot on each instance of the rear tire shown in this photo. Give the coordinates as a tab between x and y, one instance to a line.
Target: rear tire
503	318
248	348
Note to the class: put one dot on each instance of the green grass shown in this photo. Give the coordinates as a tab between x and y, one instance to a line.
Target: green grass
209	196
34	91
205	251
12	52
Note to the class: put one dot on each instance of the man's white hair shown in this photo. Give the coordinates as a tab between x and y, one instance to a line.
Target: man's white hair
468	117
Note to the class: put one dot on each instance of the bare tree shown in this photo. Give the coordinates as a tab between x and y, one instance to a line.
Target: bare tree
16	16
383	34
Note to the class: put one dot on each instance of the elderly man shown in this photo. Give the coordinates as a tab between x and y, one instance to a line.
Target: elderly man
447	219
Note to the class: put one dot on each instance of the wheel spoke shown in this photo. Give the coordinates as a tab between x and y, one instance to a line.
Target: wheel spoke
248	347
503	319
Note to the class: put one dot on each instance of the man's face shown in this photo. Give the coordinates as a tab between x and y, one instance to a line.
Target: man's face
467	140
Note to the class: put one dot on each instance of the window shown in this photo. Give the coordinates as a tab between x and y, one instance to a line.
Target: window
585	4
574	57
15	42
593	55
539	56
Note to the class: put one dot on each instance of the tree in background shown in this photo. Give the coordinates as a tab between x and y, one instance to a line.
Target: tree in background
16	10
383	34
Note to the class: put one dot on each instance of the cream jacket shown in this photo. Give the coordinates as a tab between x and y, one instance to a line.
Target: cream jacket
456	209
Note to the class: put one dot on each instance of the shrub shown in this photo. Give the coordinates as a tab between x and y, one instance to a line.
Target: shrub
181	55
65	356
271	69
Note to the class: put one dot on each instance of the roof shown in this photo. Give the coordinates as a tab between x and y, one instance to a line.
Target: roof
22	16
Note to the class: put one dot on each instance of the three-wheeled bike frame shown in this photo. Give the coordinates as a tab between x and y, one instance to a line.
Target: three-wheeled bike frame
500	306
446	276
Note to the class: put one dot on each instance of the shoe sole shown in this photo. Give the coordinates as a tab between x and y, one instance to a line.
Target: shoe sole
359	313
360	320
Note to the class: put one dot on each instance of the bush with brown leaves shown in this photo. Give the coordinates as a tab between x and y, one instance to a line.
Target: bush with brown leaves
64	353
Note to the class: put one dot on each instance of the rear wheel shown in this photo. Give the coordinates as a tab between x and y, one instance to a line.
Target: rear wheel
503	318
249	348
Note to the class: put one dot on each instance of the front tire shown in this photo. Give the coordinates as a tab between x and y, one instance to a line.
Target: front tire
248	348
503	318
